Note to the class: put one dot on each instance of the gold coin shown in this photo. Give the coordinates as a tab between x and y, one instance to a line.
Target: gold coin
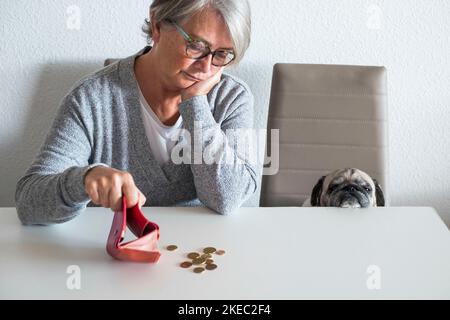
220	252
198	261
209	261
193	255
172	247
186	264
209	250
211	266
206	256
199	270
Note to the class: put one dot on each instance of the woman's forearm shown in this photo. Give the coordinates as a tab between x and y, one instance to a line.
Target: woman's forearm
223	177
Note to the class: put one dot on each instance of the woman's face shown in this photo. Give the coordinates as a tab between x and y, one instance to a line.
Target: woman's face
177	71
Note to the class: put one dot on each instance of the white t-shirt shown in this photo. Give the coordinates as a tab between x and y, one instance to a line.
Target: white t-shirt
162	138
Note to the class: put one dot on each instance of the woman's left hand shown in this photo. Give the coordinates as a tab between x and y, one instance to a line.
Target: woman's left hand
201	87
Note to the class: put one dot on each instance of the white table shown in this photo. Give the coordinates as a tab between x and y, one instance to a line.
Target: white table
271	253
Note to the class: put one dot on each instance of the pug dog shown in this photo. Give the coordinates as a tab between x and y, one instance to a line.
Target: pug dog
346	188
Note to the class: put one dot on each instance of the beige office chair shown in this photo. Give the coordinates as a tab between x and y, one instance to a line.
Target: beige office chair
329	117
109	61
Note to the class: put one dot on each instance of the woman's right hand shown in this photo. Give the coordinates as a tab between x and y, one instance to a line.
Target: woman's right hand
201	87
105	186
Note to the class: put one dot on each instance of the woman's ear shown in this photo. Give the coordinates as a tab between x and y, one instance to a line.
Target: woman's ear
156	29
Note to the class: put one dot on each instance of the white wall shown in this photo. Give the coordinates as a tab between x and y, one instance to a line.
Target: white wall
42	53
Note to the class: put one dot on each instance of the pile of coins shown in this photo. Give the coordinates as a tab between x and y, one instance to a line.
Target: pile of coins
200	261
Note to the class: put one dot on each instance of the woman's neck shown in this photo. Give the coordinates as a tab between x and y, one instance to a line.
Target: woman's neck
164	103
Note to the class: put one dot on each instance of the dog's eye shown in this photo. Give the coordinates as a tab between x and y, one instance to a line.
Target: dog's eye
367	189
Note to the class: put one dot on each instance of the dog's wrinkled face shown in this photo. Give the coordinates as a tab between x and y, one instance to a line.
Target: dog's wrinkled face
347	188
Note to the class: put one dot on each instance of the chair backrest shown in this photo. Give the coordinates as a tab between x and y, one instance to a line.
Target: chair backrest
109	61
329	117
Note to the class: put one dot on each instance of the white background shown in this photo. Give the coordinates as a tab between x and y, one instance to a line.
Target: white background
42	53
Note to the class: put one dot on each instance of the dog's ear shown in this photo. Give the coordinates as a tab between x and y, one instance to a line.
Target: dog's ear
379	194
316	193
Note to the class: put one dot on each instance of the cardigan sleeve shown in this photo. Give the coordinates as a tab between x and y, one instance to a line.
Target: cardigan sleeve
224	175
52	189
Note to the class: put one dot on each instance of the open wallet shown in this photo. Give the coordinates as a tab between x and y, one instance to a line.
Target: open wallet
145	247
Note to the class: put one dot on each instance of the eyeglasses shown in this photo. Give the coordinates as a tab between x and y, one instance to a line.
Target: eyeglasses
197	49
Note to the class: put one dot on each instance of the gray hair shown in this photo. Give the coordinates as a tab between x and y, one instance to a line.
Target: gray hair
235	13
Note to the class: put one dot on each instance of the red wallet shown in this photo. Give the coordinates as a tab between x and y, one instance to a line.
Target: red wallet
145	247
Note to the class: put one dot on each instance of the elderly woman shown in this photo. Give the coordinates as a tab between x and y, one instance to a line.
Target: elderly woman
116	130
